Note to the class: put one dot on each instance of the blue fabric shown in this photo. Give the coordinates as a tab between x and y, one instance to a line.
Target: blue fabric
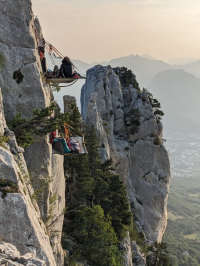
64	144
65	147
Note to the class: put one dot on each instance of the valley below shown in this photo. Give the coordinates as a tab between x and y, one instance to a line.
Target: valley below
182	234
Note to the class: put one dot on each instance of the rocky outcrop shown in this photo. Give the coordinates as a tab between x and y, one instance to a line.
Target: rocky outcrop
23	91
131	134
137	257
9	255
126	247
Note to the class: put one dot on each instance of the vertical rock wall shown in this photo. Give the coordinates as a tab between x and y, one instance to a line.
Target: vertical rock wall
23	90
18	52
128	131
20	221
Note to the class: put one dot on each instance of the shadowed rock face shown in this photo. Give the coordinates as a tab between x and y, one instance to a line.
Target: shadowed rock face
131	135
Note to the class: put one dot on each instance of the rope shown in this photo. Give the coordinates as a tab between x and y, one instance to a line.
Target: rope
70	131
62	56
55	50
52	60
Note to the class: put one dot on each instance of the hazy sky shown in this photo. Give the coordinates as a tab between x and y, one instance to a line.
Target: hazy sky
91	30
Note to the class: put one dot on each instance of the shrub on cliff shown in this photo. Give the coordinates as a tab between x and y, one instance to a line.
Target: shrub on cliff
44	121
127	77
155	106
2	62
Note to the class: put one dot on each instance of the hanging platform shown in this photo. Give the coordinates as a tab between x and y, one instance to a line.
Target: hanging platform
63	80
78	146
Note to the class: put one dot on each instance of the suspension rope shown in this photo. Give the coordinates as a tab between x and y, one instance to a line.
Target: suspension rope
52	60
69	132
55	50
62	56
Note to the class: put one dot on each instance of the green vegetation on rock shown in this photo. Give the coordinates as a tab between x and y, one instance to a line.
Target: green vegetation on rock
127	77
97	206
3	140
2	62
44	121
155	106
7	186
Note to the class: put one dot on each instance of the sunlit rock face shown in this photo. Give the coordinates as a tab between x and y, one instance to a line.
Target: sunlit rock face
9	255
20	221
23	90
131	135
2	118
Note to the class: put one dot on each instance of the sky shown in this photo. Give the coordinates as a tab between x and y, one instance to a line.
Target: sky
96	31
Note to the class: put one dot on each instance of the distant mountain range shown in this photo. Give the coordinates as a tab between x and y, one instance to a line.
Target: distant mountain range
144	67
177	87
179	94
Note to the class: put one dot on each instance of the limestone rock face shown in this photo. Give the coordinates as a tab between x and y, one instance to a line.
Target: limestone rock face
138	258
18	51
131	135
126	247
20	222
47	175
9	255
23	91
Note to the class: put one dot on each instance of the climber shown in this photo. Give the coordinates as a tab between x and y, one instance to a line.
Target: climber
67	69
42	58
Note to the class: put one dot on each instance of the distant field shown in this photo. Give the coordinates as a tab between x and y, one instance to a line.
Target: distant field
194	195
184	202
171	216
195	235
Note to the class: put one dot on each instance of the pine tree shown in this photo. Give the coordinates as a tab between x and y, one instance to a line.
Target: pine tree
96	240
75	120
92	189
93	151
115	201
44	121
109	191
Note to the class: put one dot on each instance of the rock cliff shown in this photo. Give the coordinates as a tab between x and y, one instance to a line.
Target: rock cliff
32	184
130	133
39	177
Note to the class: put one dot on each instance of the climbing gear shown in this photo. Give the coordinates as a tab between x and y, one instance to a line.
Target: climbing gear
69	144
51	77
53	50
